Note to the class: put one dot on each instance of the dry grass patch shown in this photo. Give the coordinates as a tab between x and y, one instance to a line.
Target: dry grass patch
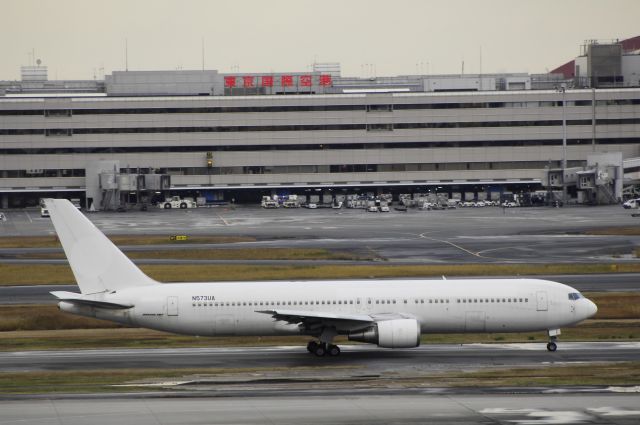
624	373
53	242
616	305
144	338
226	254
95	381
616	231
42	274
45	317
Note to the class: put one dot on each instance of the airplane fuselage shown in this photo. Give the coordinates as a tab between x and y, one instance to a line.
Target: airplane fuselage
234	308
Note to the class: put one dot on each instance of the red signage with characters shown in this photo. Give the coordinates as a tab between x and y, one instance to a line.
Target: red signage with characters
286	80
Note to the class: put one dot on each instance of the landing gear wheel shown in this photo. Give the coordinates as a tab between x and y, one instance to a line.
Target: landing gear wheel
320	350
552	346
311	346
334	350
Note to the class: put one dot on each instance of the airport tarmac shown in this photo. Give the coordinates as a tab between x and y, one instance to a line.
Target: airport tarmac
475	235
460	409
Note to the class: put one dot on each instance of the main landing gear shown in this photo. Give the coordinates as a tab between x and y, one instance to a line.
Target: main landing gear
553	337
322	349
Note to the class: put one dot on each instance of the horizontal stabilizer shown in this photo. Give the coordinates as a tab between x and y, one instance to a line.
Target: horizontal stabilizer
91	300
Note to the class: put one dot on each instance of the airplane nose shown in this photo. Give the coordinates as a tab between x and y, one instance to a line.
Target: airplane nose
592	308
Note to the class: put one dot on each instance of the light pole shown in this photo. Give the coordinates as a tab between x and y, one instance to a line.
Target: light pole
563	90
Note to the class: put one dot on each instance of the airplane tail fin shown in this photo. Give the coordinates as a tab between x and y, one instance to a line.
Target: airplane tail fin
97	264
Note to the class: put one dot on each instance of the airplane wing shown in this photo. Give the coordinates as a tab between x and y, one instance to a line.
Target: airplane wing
312	320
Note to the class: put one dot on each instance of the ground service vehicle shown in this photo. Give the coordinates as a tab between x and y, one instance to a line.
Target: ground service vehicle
177	202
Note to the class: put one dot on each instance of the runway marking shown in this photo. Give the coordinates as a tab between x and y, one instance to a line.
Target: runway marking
475	254
535	416
28	216
226	223
611	411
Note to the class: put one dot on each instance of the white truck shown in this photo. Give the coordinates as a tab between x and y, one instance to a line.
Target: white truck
177	202
267	202
631	204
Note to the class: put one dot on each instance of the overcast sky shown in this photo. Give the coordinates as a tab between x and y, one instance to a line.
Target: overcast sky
78	39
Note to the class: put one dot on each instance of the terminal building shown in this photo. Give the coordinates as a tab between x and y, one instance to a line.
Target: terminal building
138	136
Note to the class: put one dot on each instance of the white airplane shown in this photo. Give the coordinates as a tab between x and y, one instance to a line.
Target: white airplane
389	313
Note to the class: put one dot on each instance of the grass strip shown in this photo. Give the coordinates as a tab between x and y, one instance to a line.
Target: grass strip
144	338
227	254
623	373
131	380
97	381
42	274
54	242
615	231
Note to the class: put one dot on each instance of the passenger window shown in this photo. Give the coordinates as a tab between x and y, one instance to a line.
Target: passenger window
394	301
421	301
377	302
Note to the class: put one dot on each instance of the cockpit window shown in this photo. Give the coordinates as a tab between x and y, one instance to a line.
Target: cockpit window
575	296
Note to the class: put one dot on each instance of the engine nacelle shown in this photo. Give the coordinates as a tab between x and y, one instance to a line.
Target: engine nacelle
397	333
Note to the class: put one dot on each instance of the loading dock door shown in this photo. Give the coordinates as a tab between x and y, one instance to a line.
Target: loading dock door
542	303
172	306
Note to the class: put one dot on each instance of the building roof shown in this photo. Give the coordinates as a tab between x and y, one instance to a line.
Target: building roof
568	69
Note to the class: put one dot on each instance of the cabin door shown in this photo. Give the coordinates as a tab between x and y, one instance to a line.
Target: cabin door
172	306
542	302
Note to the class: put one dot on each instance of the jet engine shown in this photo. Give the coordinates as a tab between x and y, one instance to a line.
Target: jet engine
396	333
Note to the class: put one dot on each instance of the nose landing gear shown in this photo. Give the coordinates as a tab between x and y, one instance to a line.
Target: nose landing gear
553	337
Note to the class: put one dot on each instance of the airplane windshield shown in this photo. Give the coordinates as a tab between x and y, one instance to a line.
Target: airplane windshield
575	296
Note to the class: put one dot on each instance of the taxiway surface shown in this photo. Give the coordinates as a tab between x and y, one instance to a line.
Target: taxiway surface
476	235
353	409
